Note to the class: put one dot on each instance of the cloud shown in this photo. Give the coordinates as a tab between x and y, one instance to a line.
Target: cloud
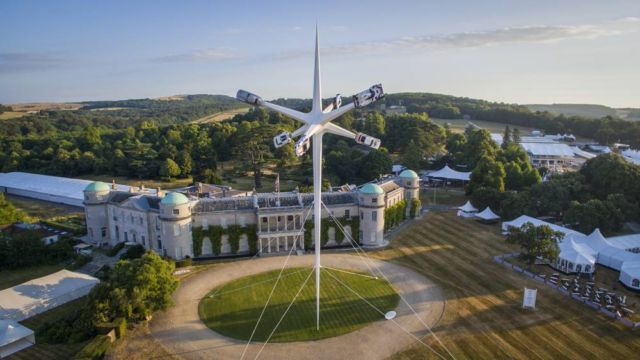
22	62
204	55
524	34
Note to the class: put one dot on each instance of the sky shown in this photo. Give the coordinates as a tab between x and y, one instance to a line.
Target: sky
501	50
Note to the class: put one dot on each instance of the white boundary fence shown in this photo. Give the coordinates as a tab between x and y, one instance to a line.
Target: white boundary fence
503	259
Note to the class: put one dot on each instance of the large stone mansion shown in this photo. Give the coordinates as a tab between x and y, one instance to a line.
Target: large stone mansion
194	222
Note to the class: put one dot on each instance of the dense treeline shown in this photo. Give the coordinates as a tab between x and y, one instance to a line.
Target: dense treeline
606	130
604	194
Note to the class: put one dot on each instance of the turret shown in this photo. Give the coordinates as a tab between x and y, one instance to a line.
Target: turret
96	196
371	203
410	181
175	217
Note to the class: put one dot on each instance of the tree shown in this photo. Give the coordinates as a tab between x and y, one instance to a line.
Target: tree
254	149
169	169
515	136
374	164
412	156
8	213
506	138
603	215
185	163
488	173
535	242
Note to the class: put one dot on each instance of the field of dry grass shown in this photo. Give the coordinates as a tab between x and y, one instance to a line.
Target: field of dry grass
8	115
221	116
484	318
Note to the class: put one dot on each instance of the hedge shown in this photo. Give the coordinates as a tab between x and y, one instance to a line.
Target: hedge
416	205
95	349
120	326
184	262
214	233
116	249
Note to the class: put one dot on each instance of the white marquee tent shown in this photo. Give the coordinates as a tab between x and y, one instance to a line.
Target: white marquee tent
48	188
614	257
448	173
467	210
14	337
39	295
487	215
630	274
575	257
518	222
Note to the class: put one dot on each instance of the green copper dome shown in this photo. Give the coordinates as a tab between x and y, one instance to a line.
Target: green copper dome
97	186
174	198
409	174
371	189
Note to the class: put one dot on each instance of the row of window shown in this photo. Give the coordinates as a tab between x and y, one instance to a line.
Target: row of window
374	216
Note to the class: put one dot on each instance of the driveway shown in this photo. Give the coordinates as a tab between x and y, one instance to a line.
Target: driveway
182	332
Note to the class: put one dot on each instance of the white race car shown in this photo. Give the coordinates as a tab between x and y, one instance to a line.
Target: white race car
302	145
368	96
249	98
282	139
367	140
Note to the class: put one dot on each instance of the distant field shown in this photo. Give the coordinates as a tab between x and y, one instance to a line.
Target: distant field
458	125
221	116
44	106
8	115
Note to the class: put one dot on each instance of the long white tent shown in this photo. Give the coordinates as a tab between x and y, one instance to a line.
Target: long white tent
518	222
39	295
14	337
55	189
448	173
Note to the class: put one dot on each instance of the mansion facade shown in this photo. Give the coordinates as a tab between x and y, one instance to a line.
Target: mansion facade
193	222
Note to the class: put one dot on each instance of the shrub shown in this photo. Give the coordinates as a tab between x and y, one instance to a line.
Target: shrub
116	249
95	349
120	326
79	262
133	252
184	262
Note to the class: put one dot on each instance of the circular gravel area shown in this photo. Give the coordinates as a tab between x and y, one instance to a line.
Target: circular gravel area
181	330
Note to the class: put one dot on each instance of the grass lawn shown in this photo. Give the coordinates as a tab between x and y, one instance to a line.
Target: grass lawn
40	209
148	183
233	308
453	197
11	278
484	318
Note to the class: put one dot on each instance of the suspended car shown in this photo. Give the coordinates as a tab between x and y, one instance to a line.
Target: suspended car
368	96
367	140
249	98
337	101
281	139
302	145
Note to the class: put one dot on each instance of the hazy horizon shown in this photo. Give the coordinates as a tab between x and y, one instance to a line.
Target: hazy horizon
530	52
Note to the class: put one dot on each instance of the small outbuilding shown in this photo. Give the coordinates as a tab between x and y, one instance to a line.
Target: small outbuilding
487	216
14	337
467	210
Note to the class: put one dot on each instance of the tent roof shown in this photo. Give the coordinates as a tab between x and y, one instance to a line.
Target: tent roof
448	173
625	241
547	149
487	214
632	268
11	331
468	207
42	290
537	222
576	253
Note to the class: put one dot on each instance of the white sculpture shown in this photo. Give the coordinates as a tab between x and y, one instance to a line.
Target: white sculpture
316	123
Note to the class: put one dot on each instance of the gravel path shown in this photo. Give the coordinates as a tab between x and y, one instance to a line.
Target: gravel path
182	332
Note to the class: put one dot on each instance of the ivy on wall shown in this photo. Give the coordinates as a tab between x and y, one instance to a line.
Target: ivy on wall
353	222
214	233
395	214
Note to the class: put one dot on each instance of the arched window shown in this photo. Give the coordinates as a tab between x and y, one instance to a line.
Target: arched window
635	283
587	268
570	266
579	268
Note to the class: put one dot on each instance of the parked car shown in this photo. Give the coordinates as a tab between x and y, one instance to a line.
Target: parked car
249	98
368	96
367	140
